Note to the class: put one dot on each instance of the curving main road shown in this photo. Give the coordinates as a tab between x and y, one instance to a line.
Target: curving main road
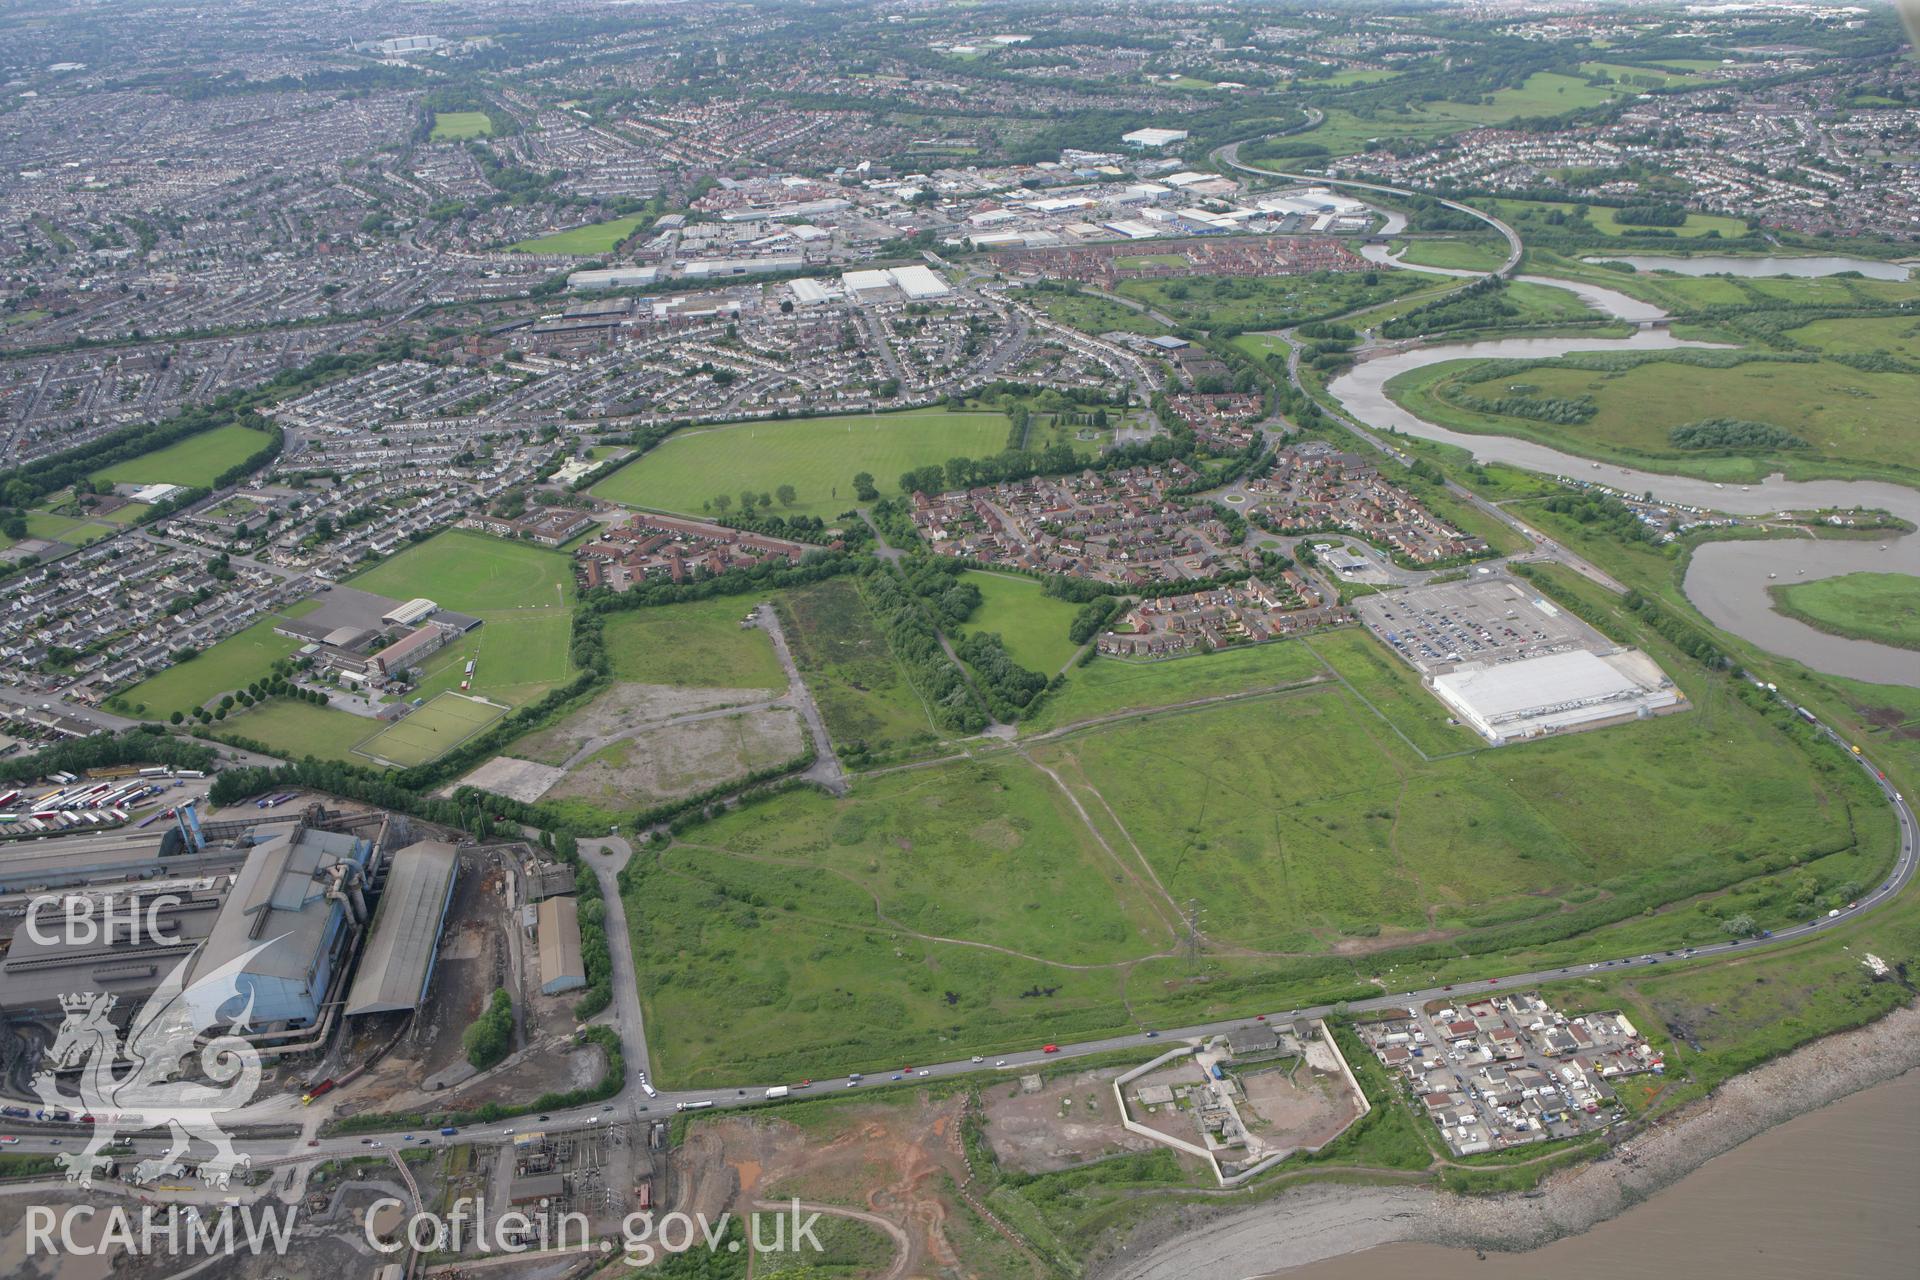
1229	155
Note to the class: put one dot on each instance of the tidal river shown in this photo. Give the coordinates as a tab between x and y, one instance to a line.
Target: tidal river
1727	581
1831	1193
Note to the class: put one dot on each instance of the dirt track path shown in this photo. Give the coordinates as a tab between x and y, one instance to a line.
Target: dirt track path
902	1246
826	768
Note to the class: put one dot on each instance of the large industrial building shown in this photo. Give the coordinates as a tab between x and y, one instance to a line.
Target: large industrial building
303	892
1510	664
396	966
1562	691
290	899
561	967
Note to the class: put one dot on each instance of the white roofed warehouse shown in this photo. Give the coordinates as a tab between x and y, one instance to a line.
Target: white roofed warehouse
1572	690
1154	138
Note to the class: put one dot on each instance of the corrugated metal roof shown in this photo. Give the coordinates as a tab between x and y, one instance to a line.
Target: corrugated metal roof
560	945
280	893
398	957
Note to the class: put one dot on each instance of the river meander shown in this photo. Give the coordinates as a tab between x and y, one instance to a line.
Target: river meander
1726	581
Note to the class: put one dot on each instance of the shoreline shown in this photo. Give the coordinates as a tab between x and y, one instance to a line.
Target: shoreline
1324	1221
1786	608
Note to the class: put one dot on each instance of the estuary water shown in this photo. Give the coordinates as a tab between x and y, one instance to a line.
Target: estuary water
1833	1193
1727	265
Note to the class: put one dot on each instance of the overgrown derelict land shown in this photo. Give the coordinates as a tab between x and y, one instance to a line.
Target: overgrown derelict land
1323	817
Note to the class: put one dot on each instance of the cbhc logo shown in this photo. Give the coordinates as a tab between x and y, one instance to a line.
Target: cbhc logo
85	919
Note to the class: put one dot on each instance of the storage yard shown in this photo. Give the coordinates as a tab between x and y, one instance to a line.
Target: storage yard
1506	1071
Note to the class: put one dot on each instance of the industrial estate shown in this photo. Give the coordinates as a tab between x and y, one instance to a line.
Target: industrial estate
1064	635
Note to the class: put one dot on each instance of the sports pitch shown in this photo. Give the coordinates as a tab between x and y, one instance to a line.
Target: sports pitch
431	731
817	456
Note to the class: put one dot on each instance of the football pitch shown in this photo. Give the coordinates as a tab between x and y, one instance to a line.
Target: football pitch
430	731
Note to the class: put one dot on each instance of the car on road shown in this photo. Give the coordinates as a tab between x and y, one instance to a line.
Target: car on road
977	1058
1153	1035
1000	1062
896	1076
1049	1048
366	1142
922	1071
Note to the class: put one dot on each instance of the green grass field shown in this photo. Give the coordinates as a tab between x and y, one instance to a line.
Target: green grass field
193	461
1344	79
1651	77
817	456
1456	255
1298	821
1602	219
234	663
1884	607
74	531
299	729
696	645
595	237
1344	132
1032	624
429	732
474	573
1852	420
454	126
1389	686
870	707
1302	822
517	654
1897	336
1111	685
1545	93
